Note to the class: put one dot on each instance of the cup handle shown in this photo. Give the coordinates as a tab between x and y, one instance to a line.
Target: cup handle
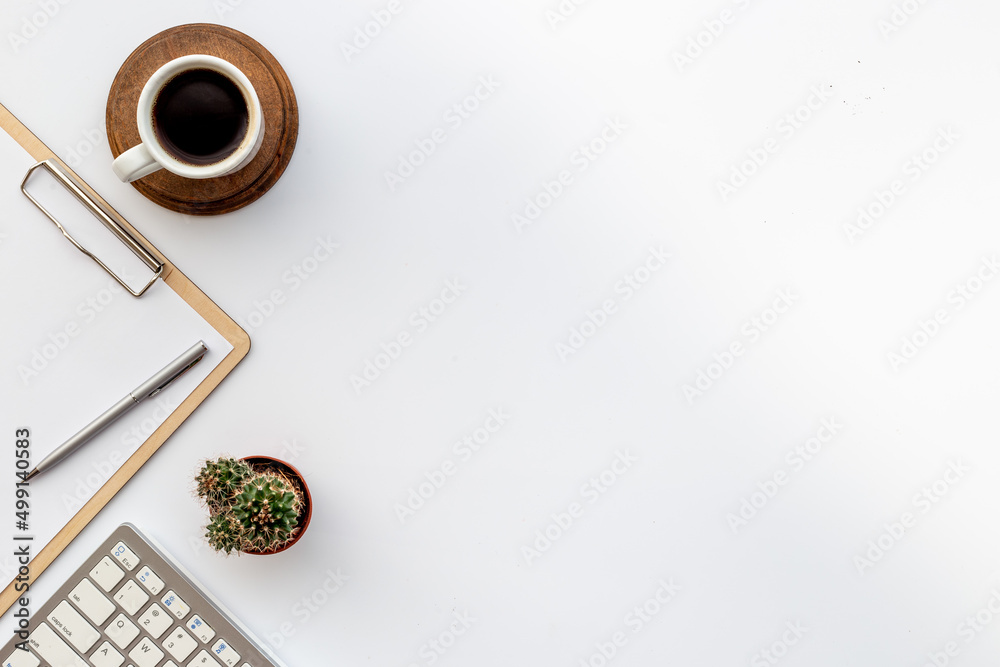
135	163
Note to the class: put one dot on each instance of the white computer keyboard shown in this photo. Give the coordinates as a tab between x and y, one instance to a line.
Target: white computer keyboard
131	604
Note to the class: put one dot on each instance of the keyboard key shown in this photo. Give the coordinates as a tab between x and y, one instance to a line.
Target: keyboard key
201	629
149	579
107	574
180	644
106	656
122	631
91	601
203	659
224	652
175	604
53	649
70	625
131	597
125	556
145	653
155	621
21	658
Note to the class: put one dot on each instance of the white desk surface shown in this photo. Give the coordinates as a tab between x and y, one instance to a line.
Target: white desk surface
879	547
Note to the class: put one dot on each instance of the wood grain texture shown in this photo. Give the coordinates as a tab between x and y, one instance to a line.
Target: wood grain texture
211	196
195	298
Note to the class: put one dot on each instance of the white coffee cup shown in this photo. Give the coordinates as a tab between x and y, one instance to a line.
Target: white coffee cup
151	155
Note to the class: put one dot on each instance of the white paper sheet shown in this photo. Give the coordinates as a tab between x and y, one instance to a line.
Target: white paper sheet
74	343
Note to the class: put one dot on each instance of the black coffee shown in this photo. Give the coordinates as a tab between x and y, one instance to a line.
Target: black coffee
200	116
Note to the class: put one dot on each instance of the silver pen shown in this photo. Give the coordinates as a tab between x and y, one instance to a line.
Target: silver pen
150	387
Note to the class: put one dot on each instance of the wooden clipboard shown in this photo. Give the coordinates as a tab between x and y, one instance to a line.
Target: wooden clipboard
187	291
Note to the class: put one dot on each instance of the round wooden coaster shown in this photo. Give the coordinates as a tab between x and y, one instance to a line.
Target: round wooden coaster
210	196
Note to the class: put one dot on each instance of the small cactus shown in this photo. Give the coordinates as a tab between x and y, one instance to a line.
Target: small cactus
251	510
220	480
222	533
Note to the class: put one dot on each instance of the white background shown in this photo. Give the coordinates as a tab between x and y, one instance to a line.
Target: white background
894	80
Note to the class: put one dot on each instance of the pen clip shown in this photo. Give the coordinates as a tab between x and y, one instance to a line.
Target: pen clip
158	383
110	218
163	385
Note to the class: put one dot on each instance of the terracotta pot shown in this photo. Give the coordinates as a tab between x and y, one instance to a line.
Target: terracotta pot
296	477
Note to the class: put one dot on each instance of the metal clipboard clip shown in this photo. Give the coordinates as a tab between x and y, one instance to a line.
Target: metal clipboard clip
110	218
